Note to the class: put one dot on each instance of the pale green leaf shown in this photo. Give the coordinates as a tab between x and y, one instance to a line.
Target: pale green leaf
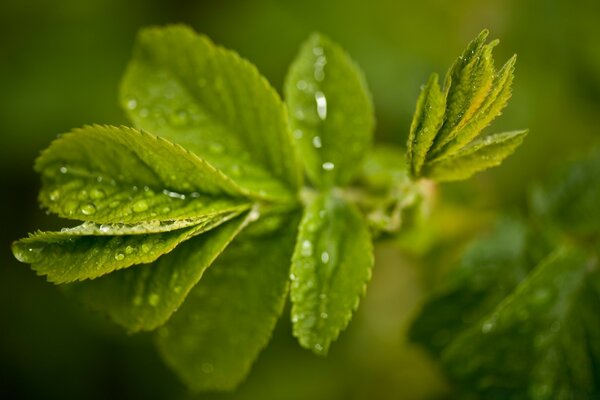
492	106
227	319
144	297
331	113
110	174
73	254
480	155
181	86
427	120
331	267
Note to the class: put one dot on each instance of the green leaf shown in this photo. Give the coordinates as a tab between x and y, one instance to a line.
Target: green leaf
507	332
110	174
144	297
212	341
76	254
467	85
331	267
181	86
571	198
480	155
427	120
331	113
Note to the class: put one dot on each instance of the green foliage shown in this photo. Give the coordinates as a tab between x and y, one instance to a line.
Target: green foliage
447	120
196	233
331	266
331	113
518	317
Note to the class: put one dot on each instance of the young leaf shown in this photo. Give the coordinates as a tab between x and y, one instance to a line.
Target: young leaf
110	174
144	297
480	155
427	120
212	341
73	255
331	113
181	86
331	266
467	85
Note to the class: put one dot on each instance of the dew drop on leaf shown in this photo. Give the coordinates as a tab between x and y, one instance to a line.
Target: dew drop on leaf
321	104
153	299
140	206
328	166
119	256
88	209
316	141
97	194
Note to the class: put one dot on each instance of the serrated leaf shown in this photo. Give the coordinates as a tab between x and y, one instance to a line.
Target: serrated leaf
227	319
331	113
427	120
480	155
489	271
492	106
111	174
331	267
467	85
571	199
209	100
508	332
74	255
144	297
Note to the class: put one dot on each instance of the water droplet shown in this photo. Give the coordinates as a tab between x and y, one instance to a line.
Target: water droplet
63	170
132	104
54	195
70	207
119	256
129	249
207	368
328	166
298	133
146	247
88	209
114	203
322	296
140	206
144	112
318	347
324	257
153	299
321	104
301	85
292	277
324	315
316	141
97	194
104	228
306	249
319	74
174	195
254	214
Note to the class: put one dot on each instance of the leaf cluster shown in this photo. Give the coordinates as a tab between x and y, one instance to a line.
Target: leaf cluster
198	222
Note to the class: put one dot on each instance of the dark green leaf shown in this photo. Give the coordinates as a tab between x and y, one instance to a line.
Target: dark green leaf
110	174
331	267
145	296
331	113
571	200
427	120
505	332
480	155
76	254
181	86
212	341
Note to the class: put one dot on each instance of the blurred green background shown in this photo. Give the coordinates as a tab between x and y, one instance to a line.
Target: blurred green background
60	65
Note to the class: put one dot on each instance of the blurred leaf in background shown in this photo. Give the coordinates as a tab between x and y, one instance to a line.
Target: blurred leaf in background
60	65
